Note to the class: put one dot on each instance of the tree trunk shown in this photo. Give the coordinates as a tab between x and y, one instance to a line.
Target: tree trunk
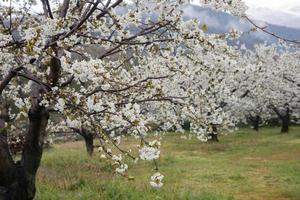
255	122
8	168
33	147
89	144
88	139
17	179
214	135
284	118
285	126
285	121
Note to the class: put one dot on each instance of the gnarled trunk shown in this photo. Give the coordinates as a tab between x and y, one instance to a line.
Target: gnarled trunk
33	147
284	118
17	179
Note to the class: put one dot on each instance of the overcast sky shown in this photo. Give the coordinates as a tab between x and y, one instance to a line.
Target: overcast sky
281	12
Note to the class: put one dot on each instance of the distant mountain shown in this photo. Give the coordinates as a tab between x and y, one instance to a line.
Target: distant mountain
221	22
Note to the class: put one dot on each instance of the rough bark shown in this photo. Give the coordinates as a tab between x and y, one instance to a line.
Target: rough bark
33	147
17	179
8	170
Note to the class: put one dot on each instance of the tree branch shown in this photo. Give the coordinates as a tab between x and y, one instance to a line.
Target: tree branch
64	8
271	33
8	78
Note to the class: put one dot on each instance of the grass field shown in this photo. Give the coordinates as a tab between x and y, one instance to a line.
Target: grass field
244	165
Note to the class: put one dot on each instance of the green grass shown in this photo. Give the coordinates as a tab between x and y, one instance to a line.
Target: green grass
244	165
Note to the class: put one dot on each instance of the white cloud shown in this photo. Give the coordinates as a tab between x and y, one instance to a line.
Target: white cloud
280	12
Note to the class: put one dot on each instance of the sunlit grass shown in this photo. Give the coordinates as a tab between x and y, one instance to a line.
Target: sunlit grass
243	165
